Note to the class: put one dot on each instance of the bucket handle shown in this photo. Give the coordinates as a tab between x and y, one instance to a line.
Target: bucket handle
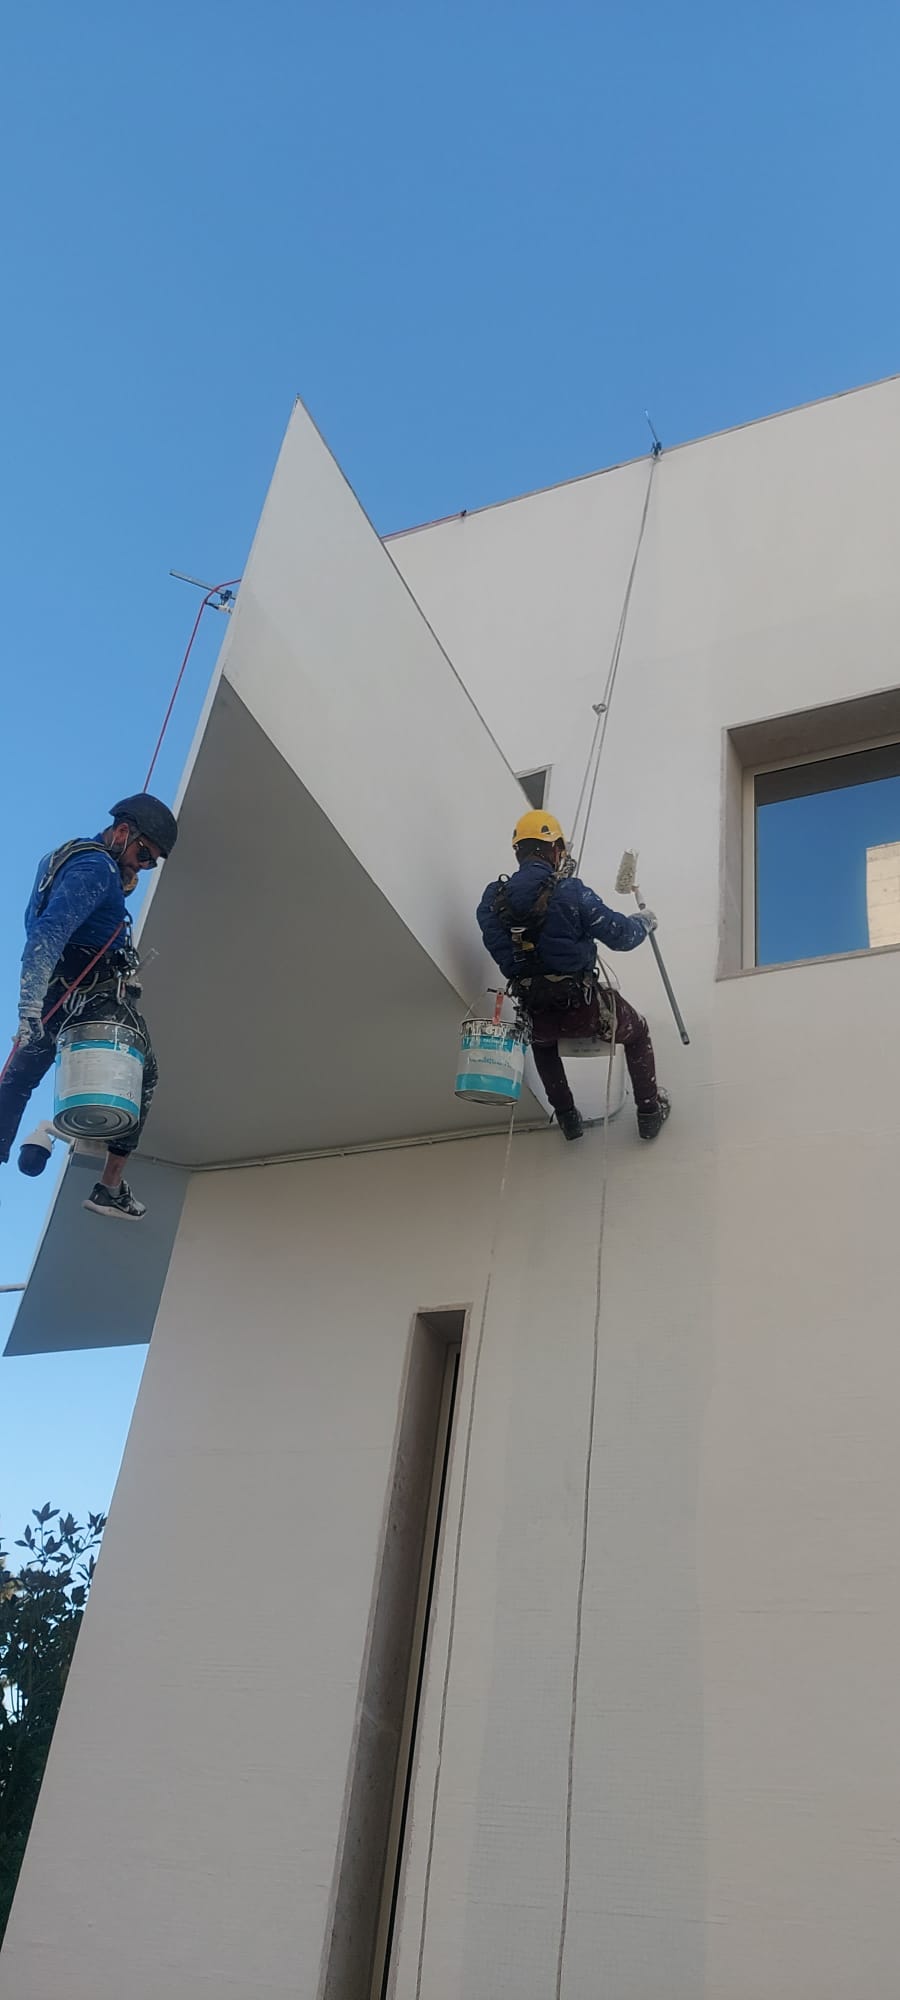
470	1014
519	1026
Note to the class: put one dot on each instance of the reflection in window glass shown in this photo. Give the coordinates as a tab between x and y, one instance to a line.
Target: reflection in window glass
828	857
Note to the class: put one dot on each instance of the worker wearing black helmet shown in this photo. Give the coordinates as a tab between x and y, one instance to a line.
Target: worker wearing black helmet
76	914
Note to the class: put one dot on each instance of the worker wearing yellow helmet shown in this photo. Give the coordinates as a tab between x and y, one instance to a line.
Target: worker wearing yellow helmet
542	926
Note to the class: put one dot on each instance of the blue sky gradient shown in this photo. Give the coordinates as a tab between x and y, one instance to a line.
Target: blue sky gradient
477	240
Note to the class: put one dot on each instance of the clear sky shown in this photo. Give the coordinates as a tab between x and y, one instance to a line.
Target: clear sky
477	239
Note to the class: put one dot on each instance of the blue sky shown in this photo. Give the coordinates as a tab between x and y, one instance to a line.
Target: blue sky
477	239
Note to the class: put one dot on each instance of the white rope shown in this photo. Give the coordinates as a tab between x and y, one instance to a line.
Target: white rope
593	765
604	705
585	1520
454	1593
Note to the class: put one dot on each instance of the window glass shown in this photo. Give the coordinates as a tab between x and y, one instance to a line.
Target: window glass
828	856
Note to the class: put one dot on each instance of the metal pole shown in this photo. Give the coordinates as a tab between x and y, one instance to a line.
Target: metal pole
673	1003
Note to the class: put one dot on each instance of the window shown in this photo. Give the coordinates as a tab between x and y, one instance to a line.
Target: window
827	856
534	785
811	847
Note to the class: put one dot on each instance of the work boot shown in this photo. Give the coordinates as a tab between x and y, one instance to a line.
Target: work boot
650	1123
119	1202
571	1123
35	1151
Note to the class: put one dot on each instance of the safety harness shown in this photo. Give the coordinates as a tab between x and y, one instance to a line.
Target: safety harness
58	860
524	936
530	984
116	969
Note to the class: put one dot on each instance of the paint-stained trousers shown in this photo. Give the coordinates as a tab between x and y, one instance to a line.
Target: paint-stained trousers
591	1016
29	1066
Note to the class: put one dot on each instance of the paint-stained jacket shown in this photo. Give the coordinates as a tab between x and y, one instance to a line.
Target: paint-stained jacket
85	905
576	921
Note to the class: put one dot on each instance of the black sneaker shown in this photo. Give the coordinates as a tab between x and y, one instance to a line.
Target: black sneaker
114	1201
650	1123
571	1124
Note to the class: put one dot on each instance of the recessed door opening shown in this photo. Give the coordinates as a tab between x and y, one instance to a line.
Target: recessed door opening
372	1857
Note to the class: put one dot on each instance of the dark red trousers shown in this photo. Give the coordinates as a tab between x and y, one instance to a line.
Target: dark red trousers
591	1017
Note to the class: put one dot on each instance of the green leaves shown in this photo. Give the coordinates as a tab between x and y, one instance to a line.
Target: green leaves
41	1608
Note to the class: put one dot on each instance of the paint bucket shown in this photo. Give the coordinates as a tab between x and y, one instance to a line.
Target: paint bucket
99	1078
491	1060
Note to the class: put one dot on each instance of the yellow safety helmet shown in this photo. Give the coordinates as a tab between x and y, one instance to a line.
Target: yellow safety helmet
538	826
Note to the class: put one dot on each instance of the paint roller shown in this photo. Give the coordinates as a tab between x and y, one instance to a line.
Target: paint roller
627	885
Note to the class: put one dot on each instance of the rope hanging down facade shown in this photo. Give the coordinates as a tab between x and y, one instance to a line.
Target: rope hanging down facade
216	590
457	1547
588	789
603	706
585	1522
587	793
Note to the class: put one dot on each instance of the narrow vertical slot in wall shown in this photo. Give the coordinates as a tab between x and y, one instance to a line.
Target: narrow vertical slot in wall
372	1849
534	785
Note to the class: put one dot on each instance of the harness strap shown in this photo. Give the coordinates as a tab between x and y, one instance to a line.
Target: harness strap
524	934
58	860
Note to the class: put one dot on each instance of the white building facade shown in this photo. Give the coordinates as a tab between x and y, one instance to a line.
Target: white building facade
316	1736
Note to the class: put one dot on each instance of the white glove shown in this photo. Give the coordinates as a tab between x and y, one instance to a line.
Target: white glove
30	1031
647	918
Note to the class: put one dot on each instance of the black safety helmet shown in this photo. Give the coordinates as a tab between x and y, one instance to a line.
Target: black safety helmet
151	818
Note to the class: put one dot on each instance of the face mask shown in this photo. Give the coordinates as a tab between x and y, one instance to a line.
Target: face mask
129	876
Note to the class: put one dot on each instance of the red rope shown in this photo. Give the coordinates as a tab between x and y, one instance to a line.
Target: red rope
82	975
227	585
65	994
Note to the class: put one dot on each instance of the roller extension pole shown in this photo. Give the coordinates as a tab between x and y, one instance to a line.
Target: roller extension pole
626	884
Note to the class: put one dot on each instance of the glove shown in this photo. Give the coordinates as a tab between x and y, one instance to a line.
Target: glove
647	918
30	1031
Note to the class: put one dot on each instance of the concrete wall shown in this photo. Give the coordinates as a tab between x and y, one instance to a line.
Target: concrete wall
737	1808
768	581
333	658
192	1815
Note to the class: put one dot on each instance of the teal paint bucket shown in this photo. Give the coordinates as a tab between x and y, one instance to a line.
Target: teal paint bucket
98	1082
491	1062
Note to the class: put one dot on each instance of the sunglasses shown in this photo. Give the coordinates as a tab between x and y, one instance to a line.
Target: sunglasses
143	856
